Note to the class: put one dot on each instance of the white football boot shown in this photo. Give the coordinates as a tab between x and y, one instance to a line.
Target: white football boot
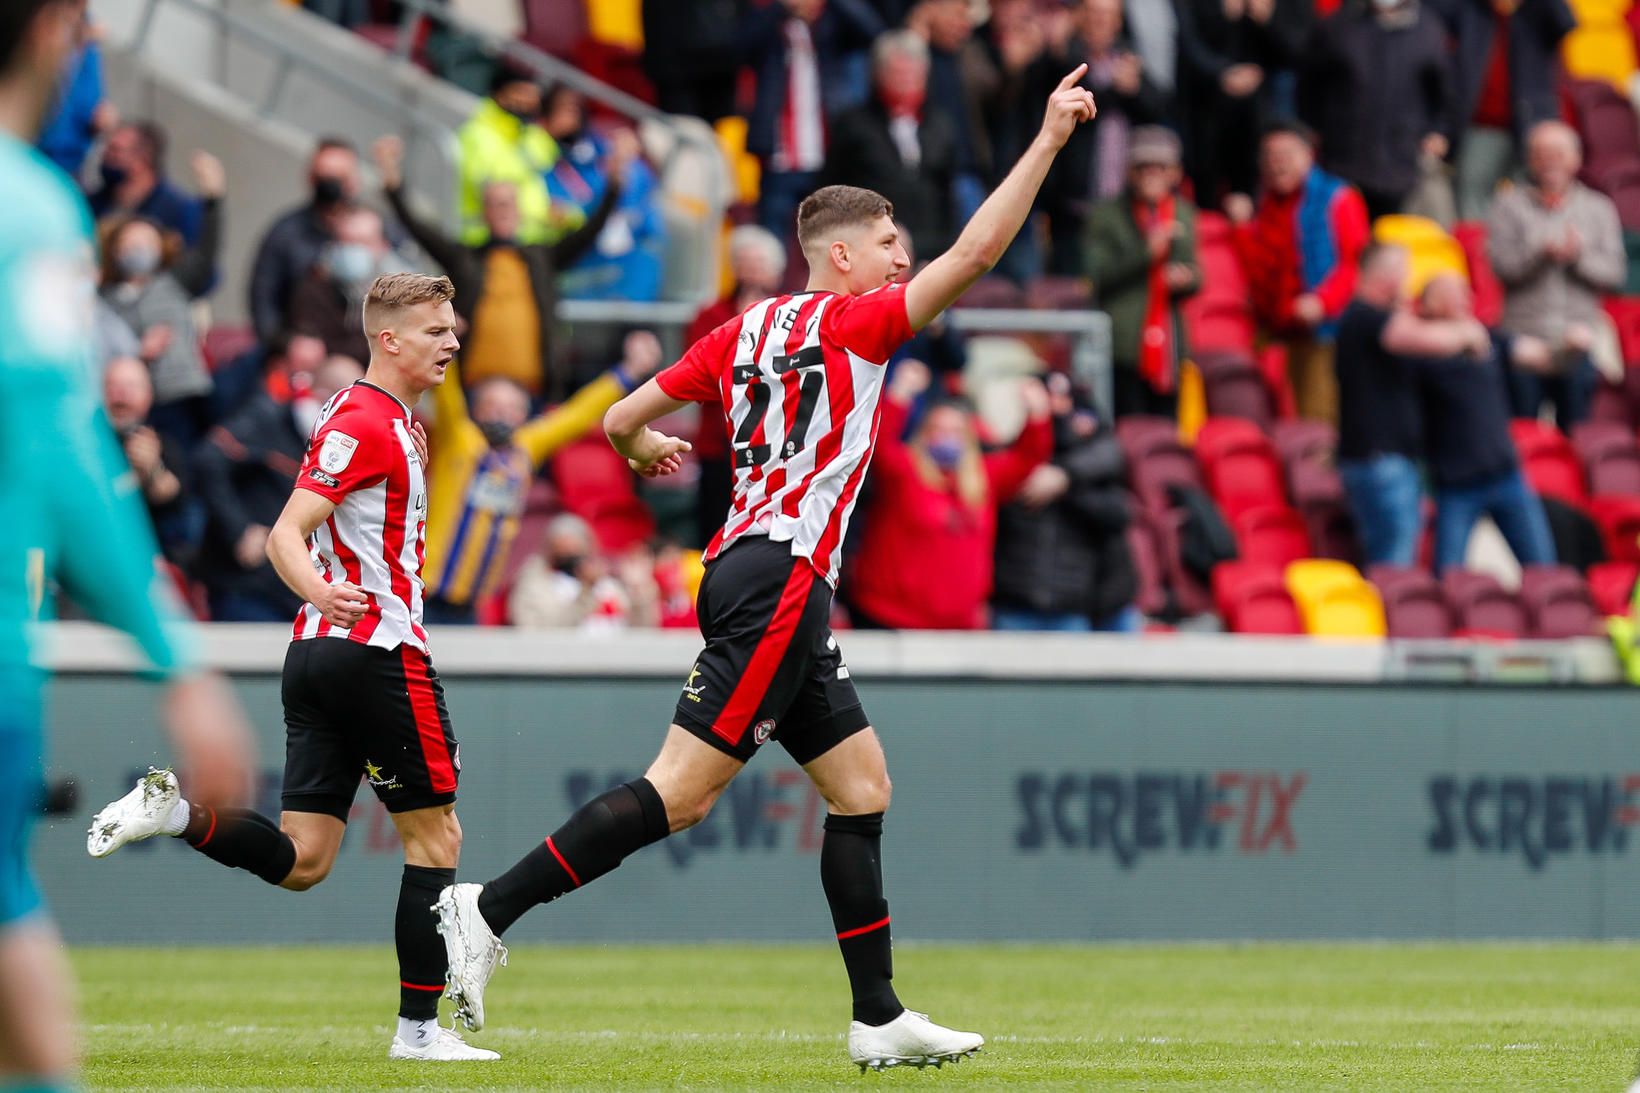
471	948
911	1039
140	814
446	1047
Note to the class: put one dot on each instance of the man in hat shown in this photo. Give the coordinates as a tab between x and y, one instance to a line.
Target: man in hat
1141	254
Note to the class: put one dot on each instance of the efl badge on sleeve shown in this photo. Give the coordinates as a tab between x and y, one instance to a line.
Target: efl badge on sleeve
337	452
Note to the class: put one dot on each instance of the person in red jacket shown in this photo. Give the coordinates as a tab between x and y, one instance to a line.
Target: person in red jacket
925	560
1300	248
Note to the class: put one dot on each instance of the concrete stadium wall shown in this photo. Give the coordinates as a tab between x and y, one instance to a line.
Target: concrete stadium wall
1052	805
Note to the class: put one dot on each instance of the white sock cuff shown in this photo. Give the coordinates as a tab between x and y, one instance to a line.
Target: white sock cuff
177	822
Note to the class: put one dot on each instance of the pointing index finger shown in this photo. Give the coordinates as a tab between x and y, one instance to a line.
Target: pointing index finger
1073	78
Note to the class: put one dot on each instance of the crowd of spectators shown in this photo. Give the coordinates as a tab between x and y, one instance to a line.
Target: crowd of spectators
1292	124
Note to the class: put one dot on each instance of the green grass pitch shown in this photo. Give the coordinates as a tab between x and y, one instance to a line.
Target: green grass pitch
1300	1017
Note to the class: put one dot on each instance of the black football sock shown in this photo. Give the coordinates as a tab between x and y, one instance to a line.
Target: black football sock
241	839
421	949
851	871
592	842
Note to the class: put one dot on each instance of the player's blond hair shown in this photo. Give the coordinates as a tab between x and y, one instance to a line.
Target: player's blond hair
392	293
831	209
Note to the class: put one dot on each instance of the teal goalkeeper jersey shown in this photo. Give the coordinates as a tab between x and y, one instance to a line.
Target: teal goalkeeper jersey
70	508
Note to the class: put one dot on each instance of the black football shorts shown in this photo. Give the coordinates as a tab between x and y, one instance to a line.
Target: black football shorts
357	711
771	669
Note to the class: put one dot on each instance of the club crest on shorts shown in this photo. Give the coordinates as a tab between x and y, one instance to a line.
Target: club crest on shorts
763	730
337	452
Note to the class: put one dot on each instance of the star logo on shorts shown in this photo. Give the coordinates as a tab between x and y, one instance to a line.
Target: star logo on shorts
376	778
689	687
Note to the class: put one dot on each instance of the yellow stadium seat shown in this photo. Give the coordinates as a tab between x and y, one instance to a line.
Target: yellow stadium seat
1352	611
1430	250
1600	51
1595	12
1312	577
743	166
693	570
616	23
1192	403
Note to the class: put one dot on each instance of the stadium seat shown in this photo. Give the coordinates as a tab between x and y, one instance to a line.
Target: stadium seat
1216	326
1231	579
1235	387
1610	405
1318	495
1481	607
1550	462
1144	543
1625	315
1252	598
1610	457
596	484
1059	294
1606	121
1273	534
1619	520
1163	466
1239	466
1334	601
1599	51
1141	434
1219	317
555	26
1430	250
1483	282
1557	602
1190	593
1599	11
1302	440
994	292
1414	605
224	343
1611	586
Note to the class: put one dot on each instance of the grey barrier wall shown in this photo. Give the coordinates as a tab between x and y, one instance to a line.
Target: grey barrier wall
1026	808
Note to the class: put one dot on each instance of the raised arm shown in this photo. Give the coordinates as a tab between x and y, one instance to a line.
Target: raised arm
197	265
996	222
1408	335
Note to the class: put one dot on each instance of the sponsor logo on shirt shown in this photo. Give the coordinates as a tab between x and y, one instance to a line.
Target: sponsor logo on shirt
324	479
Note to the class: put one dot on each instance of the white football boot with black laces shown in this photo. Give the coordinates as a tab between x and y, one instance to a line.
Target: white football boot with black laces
140	814
472	949
911	1039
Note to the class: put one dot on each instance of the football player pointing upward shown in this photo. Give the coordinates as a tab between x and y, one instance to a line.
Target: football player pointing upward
798	377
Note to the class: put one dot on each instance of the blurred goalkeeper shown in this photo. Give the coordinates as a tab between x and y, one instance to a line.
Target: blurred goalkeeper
73	515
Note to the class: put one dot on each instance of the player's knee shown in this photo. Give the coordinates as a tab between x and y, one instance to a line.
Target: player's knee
862	795
686	810
305	874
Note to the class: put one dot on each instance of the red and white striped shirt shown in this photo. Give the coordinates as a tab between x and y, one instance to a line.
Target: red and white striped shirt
799	379
361	457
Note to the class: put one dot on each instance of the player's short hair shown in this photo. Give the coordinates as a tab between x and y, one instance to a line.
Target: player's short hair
15	17
390	294
832	208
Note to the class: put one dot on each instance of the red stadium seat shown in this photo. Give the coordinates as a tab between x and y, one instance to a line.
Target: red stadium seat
1610	456
1144	541
1235	387
1557	602
1239	465
998	292
1611	404
1611	586
1140	434
1301	440
1481	607
596	484
1619	520
1266	608
1318	495
1483	283
1414	605
1550	463
1191	595
224	343
555	26
1273	534
1625	315
1231	581
1153	473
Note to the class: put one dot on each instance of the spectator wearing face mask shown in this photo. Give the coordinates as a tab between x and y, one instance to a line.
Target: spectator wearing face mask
506	288
757	263
482	462
243	471
328	304
156	460
292	246
570	585
133	183
624	262
150	284
501	143
926	557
